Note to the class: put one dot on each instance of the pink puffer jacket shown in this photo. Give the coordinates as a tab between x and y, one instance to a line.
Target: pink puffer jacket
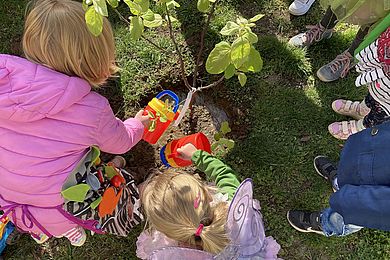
47	122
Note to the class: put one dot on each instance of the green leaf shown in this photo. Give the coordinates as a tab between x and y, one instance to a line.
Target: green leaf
254	62
230	71
149	15
240	51
250	36
85	5
136	27
242	79
135	9
217	136
76	193
228	143
94	21
203	5
144	5
113	3
100	7
241	20
225	128
214	146
230	28
173	19
172	4
219	58
155	23
256	18
96	203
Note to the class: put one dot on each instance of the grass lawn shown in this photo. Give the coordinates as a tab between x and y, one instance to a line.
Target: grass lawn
287	112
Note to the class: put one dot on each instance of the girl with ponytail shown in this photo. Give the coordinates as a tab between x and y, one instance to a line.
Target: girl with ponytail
183	213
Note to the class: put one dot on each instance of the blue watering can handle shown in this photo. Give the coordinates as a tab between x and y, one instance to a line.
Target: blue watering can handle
172	95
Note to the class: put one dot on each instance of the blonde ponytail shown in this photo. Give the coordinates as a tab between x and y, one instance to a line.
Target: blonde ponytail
168	201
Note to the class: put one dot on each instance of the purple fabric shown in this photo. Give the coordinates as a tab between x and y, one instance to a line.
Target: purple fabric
246	225
246	231
48	121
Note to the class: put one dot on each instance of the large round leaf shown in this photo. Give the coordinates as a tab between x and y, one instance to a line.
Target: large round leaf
230	28
240	51
100	7
136	27
254	62
219	58
203	5
94	21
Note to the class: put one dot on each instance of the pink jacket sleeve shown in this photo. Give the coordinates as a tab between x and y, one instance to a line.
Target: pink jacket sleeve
115	136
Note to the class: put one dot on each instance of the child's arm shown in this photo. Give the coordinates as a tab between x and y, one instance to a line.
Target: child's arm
215	169
117	137
364	205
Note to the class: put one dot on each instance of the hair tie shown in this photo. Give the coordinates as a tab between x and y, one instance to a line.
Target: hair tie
199	230
197	200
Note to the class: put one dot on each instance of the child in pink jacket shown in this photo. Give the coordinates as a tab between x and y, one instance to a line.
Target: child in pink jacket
49	120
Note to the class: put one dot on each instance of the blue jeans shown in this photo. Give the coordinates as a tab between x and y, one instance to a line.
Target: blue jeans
332	224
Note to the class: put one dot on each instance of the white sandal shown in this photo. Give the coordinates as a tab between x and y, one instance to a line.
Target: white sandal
357	110
342	130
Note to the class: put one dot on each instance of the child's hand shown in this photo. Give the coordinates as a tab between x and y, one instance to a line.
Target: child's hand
185	152
144	119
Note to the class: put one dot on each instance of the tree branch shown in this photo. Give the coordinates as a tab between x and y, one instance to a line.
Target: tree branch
202	36
182	68
212	84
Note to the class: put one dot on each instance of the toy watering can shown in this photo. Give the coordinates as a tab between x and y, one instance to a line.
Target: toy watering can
161	115
169	155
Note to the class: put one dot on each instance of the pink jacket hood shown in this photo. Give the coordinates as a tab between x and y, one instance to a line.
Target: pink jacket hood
29	92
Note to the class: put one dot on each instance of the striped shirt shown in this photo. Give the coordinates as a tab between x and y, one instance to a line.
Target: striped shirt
374	70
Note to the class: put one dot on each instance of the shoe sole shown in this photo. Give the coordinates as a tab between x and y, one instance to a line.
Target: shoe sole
303	230
315	167
303	12
322	78
319	173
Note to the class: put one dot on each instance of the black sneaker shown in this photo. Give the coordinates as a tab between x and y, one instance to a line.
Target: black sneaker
305	221
327	169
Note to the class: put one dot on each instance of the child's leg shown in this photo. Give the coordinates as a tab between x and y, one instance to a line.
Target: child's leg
340	66
332	224
329	20
377	115
76	236
363	31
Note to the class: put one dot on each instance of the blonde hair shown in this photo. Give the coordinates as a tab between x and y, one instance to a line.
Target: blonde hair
56	35
168	201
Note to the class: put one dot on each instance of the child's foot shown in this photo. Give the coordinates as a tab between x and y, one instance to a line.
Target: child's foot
300	7
13	237
357	110
76	236
42	238
337	68
342	130
325	168
305	221
315	34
